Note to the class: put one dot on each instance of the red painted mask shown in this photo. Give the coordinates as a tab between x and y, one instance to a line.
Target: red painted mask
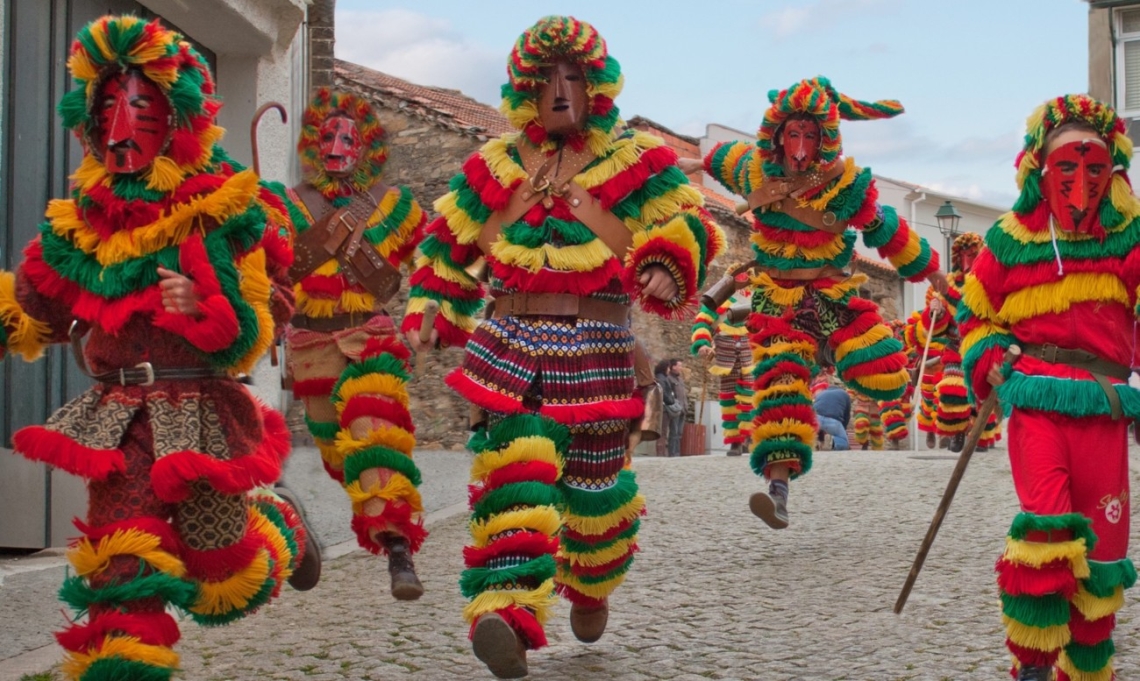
132	122
340	145
800	141
1078	171
966	260
563	104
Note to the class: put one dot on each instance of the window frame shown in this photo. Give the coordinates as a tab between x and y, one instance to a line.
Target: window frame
1120	39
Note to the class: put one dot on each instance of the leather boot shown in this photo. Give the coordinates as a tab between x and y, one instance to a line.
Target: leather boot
589	622
865	445
771	508
497	645
735	449
306	575
931	441
958	441
405	585
1035	674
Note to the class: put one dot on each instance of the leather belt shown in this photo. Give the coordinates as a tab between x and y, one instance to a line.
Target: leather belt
145	374
1099	367
560	305
337	322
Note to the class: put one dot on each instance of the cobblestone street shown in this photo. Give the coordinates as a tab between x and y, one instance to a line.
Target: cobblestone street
714	593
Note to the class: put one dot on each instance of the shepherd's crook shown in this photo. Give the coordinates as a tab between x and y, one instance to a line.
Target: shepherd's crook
257	171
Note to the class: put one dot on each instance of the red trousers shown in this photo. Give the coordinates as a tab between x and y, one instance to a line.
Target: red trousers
1069	465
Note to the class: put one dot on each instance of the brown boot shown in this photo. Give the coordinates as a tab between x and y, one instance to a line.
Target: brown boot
405	584
497	645
931	441
306	575
589	622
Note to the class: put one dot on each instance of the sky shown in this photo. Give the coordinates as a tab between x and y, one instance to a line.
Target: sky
968	72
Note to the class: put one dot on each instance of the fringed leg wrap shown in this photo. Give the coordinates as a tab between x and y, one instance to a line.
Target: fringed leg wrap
126	574
894	420
1088	656
868	356
514	499
784	424
876	431
601	514
282	531
730	410
862	428
928	407
744	407
376	432
1038	574
953	410
991	434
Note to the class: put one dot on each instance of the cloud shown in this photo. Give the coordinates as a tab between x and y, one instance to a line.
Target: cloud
420	49
791	21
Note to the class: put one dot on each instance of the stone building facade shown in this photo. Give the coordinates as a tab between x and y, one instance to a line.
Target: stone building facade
431	131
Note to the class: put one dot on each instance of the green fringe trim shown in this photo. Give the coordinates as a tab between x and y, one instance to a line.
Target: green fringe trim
468	200
1091	658
324	430
1066	396
851	199
655	186
599	579
1105	577
790	446
551	230
273	514
122	669
978	350
840	260
515	494
590	504
1010	252
80	596
520	425
727	177
880	230
575	546
384	363
394	220
380	457
1036	611
919	264
475	581
259	599
1080	526
467	307
300	223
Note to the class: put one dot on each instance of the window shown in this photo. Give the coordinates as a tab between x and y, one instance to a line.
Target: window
1127	31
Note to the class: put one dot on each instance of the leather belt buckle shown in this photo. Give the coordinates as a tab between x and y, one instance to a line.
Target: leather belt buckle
1049	353
146	367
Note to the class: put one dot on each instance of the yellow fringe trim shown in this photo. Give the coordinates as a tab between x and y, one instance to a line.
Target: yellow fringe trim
805	349
873	335
400	233
974	297
599	590
465	229
330	268
720	371
680	199
1094	608
803	432
785	297
255	289
352	301
398	488
392	437
910	251
27	336
727	329
544	519
467	323
1057	297
313	307
676	231
540	600
386	385
447	273
603	523
619	156
1037	554
529	448
88	558
585	257
797	387
782	249
883	381
234	592
840	289
271	533
850	170
1066	665
606	555
1037	638
502	167
231	198
330	455
126	647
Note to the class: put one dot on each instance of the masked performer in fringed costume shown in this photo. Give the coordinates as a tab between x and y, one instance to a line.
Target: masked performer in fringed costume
346	359
173	260
809	205
1059	279
575	220
952	413
895	414
914	334
731	357
868	425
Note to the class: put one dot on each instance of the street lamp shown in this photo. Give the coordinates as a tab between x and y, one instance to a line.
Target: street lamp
948	218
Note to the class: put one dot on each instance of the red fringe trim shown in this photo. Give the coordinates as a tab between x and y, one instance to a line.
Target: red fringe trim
1055	577
216	565
152	628
802	413
618	187
333	473
493	194
578	598
381	407
313	387
488	399
37	443
1028	657
1090	633
597	538
779	369
527	543
168	538
396	514
391	344
630	408
522	471
525	625
553	281
599	570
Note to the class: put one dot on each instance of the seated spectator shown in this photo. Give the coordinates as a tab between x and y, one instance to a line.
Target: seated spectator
833	411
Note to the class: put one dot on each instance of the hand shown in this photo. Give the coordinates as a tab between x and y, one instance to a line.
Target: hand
417	345
939	281
656	281
936	307
706	352
690	165
994	376
178	295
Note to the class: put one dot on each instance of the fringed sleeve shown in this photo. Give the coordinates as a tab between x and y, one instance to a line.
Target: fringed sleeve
736	165
889	233
20	333
985	337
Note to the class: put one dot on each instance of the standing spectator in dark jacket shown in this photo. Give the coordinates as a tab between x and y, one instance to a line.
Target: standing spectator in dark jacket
673	397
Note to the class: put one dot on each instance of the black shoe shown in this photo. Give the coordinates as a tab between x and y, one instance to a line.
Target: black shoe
958	441
865	445
981	448
306	575
405	584
771	508
1035	674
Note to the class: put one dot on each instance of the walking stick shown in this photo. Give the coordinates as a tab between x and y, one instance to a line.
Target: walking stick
704	395
257	171
922	366
427	323
980	420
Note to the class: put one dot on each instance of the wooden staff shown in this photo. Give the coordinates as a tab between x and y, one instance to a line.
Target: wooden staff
257	171
980	420
427	323
922	366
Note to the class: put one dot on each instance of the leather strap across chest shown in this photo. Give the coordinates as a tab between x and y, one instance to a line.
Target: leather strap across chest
782	194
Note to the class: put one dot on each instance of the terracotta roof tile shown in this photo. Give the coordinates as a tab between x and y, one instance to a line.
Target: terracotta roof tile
450	108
